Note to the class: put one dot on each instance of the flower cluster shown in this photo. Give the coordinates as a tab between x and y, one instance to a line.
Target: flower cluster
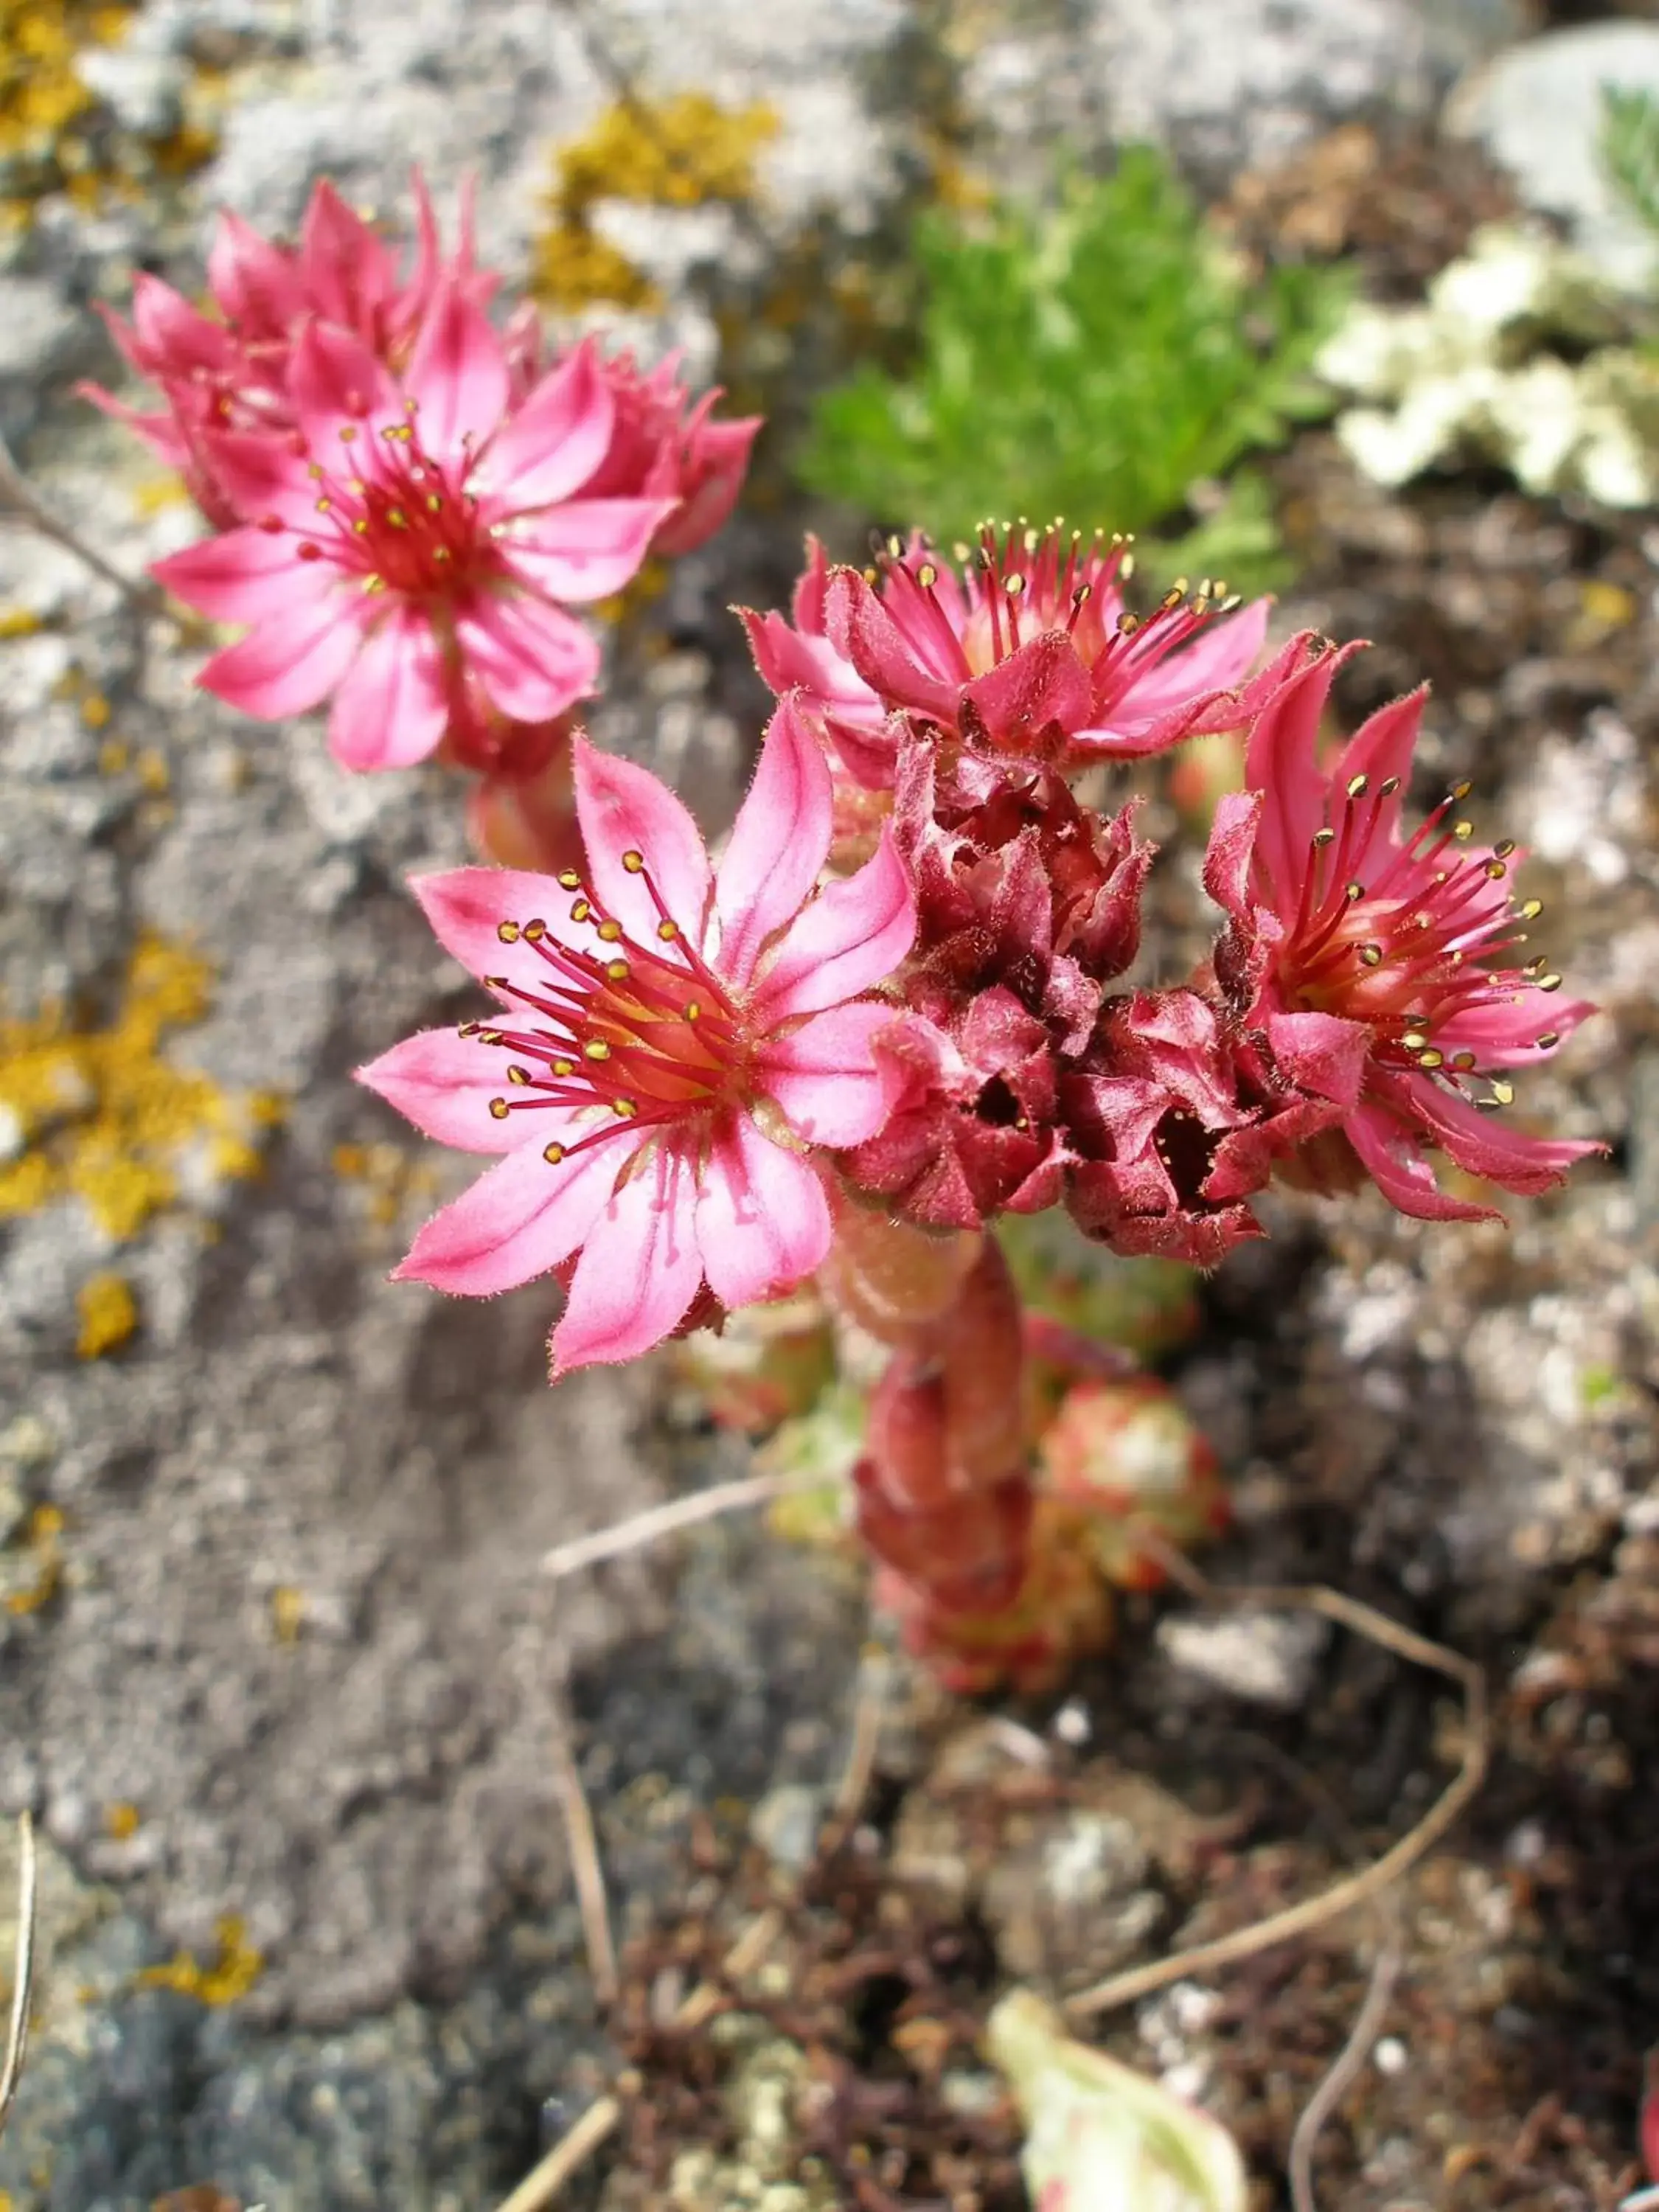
904	1001
406	501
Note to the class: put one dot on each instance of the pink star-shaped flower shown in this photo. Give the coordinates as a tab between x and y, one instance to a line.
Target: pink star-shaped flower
674	1043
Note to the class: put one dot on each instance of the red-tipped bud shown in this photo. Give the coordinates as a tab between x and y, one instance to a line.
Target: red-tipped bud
1127	1460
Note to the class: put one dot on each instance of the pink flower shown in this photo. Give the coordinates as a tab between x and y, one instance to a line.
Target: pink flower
672	1043
659	450
232	373
1032	654
861	733
414	542
1372	962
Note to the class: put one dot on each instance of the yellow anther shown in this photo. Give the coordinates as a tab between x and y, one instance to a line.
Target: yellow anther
507	932
1460	791
535	930
1370	956
499	1110
580	911
1353	891
617	970
1463	1062
1432	1059
1532	909
520	1075
569	880
1414	1040
325	506
928	575
633	862
1321	838
598	1050
552	1154
1358	786
1550	982
624	1108
693	1009
1503	1092
1388	787
610	931
1463	831
668	931
1550	1039
564	1069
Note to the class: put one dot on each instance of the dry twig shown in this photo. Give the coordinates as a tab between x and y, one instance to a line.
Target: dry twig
19	495
1345	2069
22	1986
640	1529
586	1869
1354	1889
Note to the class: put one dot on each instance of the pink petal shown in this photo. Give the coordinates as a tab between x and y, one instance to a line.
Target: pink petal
457	377
1506	1035
522	1218
639	1271
1041	686
341	393
443	1082
245	575
256	283
287	665
263	476
1380	748
826	1078
1481	1145
1228	853
1218	657
390	711
1281	760
622	808
862	631
347	271
585	549
172	338
851	937
763	1220
551	445
532	658
1393	1157
779	843
716	464
466	907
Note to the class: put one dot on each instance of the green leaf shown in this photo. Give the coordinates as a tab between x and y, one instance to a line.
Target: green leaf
1094	358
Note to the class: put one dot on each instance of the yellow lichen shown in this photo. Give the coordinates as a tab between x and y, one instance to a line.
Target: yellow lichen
18	622
109	1313
683	151
121	1822
392	1178
235	1968
288	1613
53	131
41	1565
102	1115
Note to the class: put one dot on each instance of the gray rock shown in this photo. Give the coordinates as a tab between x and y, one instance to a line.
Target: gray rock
142	90
1537	110
43	342
1267	1657
1233	82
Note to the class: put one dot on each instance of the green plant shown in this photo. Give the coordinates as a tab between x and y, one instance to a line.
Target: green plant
1629	147
1108	353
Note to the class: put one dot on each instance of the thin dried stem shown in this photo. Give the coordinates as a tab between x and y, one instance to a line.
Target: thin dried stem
585	1868
643	1528
22	1985
573	2150
1345	2070
866	1735
1371	1881
19	495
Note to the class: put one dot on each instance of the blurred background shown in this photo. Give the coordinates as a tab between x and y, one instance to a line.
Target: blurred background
1353	300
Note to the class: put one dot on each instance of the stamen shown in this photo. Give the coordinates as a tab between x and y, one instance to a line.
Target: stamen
632	861
507	932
